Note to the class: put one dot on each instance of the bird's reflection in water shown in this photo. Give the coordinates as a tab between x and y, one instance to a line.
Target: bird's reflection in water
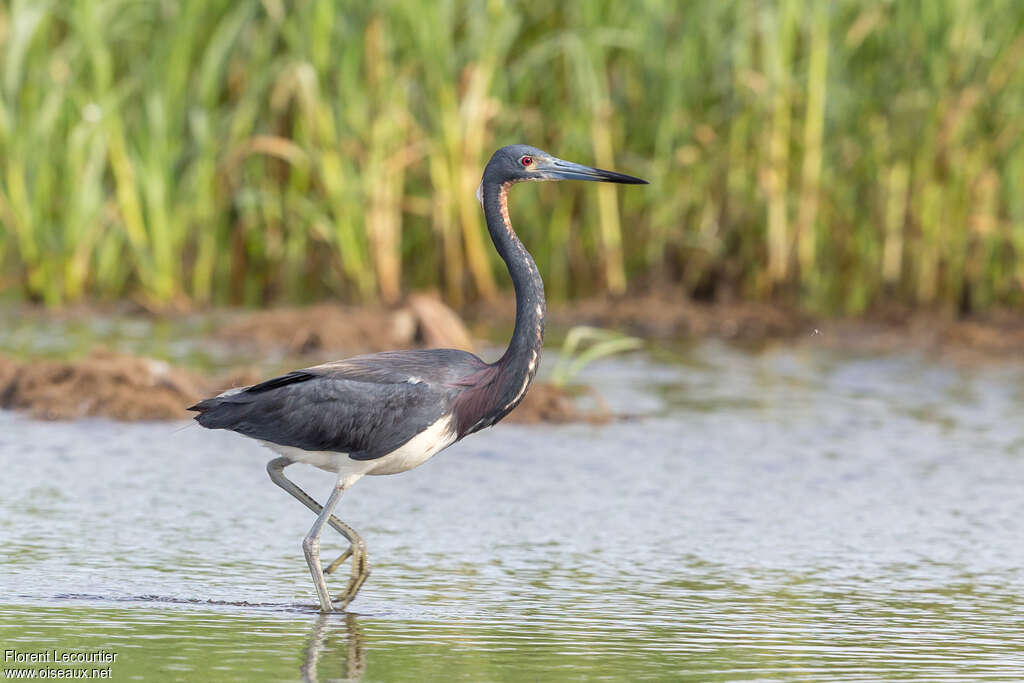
339	644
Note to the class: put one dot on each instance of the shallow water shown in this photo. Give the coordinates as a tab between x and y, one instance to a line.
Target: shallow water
788	514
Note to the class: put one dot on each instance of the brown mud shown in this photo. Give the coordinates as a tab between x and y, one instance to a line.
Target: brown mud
105	384
423	321
995	336
664	316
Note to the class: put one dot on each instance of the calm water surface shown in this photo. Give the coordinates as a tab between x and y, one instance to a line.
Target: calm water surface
788	514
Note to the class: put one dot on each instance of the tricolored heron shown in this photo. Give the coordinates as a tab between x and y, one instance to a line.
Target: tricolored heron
385	413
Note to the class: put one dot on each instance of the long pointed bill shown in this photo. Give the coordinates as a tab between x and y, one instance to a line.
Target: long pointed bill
566	170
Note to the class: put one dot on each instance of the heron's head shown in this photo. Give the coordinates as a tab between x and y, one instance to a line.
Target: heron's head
517	163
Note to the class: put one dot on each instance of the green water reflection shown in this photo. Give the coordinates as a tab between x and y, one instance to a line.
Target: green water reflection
782	639
165	644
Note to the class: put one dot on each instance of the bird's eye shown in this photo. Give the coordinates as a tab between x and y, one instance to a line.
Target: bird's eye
526	161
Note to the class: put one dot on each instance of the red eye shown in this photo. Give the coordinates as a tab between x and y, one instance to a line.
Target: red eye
526	161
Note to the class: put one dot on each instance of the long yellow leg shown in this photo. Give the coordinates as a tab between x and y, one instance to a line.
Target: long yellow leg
357	547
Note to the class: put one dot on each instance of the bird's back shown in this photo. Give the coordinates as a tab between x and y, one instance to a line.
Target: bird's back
365	407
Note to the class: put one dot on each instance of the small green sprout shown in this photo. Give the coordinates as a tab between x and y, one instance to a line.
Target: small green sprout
585	344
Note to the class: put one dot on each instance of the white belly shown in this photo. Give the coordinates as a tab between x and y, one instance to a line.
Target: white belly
412	453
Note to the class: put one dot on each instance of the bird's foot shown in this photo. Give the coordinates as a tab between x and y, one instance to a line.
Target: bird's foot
360	572
354	584
340	603
337	563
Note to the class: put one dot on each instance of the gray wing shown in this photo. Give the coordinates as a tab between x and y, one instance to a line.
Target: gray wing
365	406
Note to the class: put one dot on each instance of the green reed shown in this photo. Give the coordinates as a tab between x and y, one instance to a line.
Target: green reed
834	155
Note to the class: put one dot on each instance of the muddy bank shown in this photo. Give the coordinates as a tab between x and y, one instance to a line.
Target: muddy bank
102	384
133	387
105	384
995	336
422	321
664	316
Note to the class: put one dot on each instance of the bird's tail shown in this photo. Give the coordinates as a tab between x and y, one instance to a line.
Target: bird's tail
221	411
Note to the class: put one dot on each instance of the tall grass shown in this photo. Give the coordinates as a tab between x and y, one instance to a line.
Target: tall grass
835	155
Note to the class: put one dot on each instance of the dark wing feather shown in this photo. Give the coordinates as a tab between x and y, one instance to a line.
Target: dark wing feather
365	406
293	377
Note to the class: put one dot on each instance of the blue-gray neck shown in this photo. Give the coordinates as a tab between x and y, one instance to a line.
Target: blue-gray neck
519	364
492	393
